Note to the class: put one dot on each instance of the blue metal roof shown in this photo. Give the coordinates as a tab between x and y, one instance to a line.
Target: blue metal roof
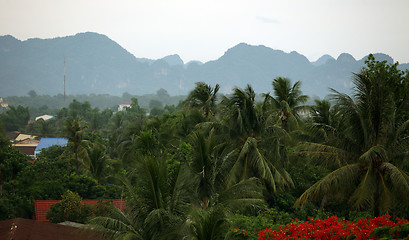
48	142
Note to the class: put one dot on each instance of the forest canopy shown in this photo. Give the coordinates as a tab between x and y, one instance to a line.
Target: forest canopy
211	163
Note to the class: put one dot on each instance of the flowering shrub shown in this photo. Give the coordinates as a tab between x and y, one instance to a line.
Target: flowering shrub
240	234
334	228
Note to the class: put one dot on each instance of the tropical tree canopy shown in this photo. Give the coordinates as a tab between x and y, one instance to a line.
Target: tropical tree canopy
74	129
203	97
372	144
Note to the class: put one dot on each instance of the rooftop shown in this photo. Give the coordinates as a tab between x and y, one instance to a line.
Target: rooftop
48	142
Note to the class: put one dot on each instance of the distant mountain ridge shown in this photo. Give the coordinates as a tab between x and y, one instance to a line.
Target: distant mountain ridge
96	64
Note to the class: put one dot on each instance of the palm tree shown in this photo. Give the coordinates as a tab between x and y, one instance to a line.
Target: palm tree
214	199
156	204
44	128
74	129
116	225
369	149
204	98
283	91
143	144
210	167
320	113
257	146
211	224
287	99
96	161
324	120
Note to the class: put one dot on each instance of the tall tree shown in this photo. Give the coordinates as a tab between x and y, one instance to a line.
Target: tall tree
283	91
371	146
156	204
15	118
4	141
96	161
210	174
74	129
44	128
213	198
203	97
257	149
288	100
324	120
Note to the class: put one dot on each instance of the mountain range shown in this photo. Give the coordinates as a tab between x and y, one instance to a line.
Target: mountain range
96	64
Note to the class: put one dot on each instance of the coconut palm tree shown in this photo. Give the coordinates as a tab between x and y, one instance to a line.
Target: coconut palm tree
116	225
211	224
210	165
214	199
74	129
96	161
324	120
283	91
155	206
256	147
143	144
203	97
369	149
288	101
44	128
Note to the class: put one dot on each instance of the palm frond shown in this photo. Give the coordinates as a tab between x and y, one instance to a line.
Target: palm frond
113	228
399	179
331	156
386	196
363	194
206	225
241	195
373	155
336	181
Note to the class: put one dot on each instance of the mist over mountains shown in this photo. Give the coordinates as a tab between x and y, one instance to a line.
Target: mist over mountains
96	64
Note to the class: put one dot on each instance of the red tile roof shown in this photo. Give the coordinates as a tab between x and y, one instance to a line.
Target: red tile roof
41	207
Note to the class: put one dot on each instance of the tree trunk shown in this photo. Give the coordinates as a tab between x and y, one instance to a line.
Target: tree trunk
376	207
76	161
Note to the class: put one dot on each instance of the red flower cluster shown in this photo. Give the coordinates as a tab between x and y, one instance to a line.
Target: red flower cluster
330	228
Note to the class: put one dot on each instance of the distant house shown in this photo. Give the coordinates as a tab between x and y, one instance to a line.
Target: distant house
23	136
26	146
48	142
45	117
124	105
16	136
3	104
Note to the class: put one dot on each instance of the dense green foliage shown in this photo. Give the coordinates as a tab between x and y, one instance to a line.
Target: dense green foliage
46	104
15	118
217	162
70	208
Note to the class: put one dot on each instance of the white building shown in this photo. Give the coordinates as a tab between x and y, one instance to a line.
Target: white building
44	117
124	105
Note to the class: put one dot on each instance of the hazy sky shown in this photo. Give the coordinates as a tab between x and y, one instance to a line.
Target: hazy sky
205	29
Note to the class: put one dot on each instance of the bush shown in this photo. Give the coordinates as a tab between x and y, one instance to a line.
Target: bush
102	209
265	218
70	208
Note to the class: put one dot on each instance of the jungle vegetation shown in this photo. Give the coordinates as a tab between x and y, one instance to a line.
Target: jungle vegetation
216	162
